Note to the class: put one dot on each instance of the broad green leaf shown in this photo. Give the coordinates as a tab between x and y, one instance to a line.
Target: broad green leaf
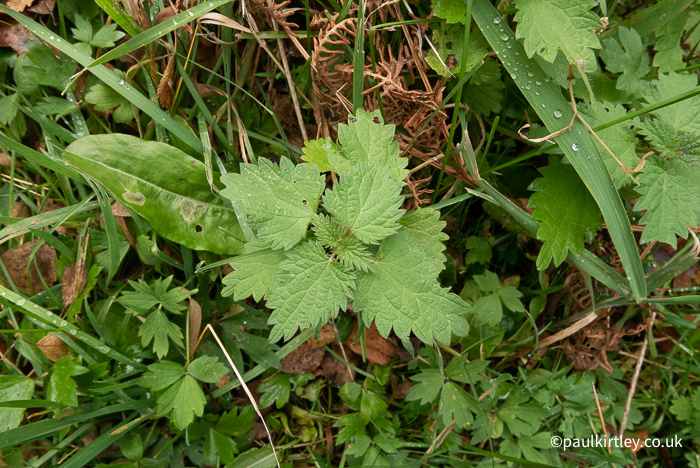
456	405
425	228
684	115
671	197
83	31
316	153
454	11
352	424
549	26
670	143
488	310
220	446
371	405
255	458
13	388
484	90
184	400
427	387
488	282
363	139
669	31
567	211
162	184
280	201
55	106
620	139
628	57
401	293
254	271
106	36
207	369
309	289
367	201
62	388
146	296
451	43
478	250
158	328
275	390
234	423
161	375
105	98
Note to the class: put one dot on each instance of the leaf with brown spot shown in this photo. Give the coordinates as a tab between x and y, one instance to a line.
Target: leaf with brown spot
303	360
53	347
166	92
16	36
74	280
17	259
19	5
378	349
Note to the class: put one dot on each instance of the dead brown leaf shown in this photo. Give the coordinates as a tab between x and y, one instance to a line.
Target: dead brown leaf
378	349
195	323
53	347
303	360
16	36
17	259
43	7
223	380
166	13
327	336
18	5
5	160
119	210
166	92
337	373
20	210
74	280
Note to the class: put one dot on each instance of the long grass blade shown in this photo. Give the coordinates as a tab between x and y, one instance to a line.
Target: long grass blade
578	145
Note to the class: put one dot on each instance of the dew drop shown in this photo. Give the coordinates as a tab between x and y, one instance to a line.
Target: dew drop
544	105
589	157
537	93
63	323
190	13
513	75
529	74
557	114
50	37
497	19
538	82
121	82
174	22
73	332
527	86
509	46
21	302
58	39
48	314
575	147
504	37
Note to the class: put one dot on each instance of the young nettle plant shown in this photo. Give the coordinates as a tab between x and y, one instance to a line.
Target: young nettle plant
362	246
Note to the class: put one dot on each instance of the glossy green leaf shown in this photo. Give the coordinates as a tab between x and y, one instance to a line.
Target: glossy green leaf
162	184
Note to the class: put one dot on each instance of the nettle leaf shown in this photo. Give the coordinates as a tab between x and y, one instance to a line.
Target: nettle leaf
671	197
367	201
182	401
316	153
363	139
629	57
280	201
159	329
353	254
619	138
567	211
254	271
454	11
684	115
549	26
401	293
309	288
425	228
670	143
451	43
484	91
105	98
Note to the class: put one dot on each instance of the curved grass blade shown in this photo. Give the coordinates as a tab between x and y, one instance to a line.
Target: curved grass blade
45	219
109	78
546	99
160	30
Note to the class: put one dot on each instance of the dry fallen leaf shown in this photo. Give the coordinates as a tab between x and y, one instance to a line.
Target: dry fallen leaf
74	279
327	336
17	259
378	349
43	7
337	373
195	323
53	347
20	210
303	360
16	36
5	160
19	5
119	210
166	92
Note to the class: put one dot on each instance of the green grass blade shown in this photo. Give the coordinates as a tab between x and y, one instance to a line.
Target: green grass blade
123	20
159	30
44	160
45	219
42	317
109	78
585	158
